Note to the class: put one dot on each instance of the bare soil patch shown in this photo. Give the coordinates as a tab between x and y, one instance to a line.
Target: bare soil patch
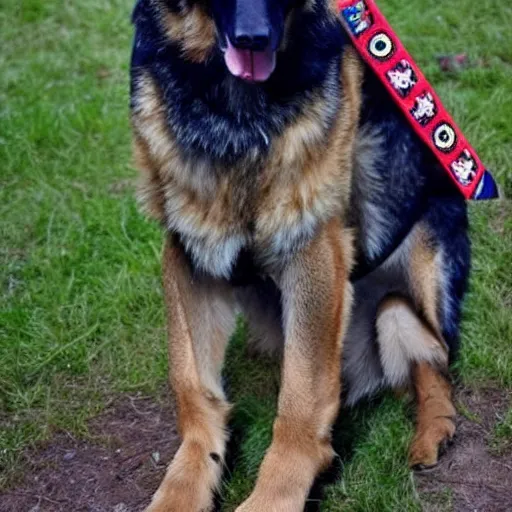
121	465
116	471
473	475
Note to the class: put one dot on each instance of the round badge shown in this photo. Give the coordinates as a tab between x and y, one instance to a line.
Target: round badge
445	137
381	46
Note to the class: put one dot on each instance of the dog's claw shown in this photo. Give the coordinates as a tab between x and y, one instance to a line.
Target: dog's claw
429	445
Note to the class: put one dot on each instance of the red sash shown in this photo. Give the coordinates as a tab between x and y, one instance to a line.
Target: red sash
380	47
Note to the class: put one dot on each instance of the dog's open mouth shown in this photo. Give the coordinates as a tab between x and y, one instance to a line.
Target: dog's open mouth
250	65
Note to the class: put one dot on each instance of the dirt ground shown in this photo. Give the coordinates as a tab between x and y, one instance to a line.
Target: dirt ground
475	474
115	472
134	439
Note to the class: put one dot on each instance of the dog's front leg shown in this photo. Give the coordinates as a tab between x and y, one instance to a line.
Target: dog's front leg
316	301
200	320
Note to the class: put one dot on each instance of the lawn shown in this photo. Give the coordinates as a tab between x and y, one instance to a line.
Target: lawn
81	313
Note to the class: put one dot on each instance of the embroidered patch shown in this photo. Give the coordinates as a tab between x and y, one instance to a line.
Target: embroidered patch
445	138
403	78
465	168
424	109
381	46
358	18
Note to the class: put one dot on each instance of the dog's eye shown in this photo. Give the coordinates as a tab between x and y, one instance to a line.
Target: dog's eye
381	46
444	137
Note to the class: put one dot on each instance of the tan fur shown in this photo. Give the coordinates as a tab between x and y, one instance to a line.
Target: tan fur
424	276
200	319
309	398
404	340
149	190
152	147
195	198
193	30
435	415
306	176
415	351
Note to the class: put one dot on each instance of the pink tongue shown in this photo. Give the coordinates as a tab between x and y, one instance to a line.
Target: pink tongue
249	65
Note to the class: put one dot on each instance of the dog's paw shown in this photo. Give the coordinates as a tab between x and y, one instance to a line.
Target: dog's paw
187	492
429	444
189	483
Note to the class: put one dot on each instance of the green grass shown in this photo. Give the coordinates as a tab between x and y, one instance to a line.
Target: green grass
81	314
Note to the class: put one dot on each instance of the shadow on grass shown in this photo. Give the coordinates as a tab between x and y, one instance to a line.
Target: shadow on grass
351	427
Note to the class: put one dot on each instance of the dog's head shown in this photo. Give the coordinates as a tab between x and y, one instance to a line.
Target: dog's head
249	32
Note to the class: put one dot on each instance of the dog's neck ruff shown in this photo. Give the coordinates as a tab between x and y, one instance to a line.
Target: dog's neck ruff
380	47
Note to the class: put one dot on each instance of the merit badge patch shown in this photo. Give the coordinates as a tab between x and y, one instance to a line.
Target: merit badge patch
445	138
381	46
358	18
402	78
465	168
424	109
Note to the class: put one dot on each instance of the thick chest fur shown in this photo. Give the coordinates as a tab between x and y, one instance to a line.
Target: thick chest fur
269	203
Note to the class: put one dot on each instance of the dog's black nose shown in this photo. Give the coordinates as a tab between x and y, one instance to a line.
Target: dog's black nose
256	39
251	29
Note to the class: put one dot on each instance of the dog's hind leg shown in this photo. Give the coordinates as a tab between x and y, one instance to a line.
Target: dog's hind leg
316	303
418	336
200	320
435	414
411	354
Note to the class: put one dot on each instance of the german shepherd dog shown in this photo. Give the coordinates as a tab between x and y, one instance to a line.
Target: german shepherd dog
292	190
